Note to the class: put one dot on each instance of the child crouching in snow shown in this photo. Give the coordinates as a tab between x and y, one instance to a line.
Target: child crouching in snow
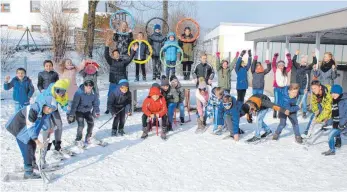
154	106
229	108
289	102
26	125
202	96
213	104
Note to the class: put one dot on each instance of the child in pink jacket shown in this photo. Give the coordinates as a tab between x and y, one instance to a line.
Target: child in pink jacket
202	96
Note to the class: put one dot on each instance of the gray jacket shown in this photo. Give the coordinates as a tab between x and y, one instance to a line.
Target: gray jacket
156	40
326	78
258	81
83	102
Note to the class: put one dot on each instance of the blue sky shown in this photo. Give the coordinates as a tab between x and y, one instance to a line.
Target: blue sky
210	13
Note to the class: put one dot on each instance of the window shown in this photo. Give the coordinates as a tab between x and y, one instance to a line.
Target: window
5	7
36	28
34	6
5	26
19	26
70	10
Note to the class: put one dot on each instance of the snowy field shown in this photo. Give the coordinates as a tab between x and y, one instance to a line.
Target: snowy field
186	161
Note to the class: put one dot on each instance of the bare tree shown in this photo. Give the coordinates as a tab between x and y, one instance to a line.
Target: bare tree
88	49
58	18
8	54
165	13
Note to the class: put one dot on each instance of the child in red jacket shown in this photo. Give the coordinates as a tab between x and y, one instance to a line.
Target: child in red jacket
154	106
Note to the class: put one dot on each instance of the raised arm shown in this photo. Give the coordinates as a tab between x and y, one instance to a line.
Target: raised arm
8	85
255	60
218	64
249	61
107	55
296	64
290	62
274	61
233	62
268	67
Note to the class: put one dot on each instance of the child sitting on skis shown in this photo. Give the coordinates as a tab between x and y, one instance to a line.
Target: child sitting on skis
85	103
202	96
289	102
229	108
26	125
23	88
119	104
154	106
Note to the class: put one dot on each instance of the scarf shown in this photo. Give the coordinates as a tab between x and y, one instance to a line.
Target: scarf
327	66
335	112
281	80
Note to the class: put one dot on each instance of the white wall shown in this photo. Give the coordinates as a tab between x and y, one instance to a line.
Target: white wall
20	14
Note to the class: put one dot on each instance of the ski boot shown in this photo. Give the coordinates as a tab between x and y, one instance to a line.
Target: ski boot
275	136
136	79
253	139
114	132
121	132
107	111
169	127
32	175
145	133
182	120
329	152
144	78
266	134
200	126
275	114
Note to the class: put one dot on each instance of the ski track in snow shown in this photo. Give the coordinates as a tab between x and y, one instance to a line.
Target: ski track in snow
186	161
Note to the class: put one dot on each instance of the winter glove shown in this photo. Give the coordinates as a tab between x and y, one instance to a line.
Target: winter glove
243	52
255	57
218	54
249	53
237	54
276	55
71	119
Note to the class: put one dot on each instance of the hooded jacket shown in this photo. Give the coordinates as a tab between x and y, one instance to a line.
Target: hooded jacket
169	50
49	92
224	75
325	102
258	81
150	106
233	113
84	102
242	79
342	104
302	72
118	67
46	78
188	48
22	90
118	100
27	123
289	103
262	102
156	40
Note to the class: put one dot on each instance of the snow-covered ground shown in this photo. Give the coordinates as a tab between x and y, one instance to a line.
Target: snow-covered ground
186	161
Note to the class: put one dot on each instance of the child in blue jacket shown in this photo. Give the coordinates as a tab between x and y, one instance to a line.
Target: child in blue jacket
230	110
241	70
213	104
26	125
23	88
171	50
289	102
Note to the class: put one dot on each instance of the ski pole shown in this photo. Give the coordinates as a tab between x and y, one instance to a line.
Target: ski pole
157	123
111	118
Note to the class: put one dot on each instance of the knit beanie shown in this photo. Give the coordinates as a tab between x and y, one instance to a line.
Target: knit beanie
123	82
157	26
245	108
156	85
336	89
173	77
165	82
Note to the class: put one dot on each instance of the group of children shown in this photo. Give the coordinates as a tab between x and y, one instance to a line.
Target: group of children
81	103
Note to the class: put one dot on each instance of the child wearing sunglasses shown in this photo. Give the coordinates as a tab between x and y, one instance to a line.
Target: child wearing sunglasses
85	103
119	104
230	111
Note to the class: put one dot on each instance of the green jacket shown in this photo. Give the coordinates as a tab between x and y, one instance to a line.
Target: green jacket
224	75
188	48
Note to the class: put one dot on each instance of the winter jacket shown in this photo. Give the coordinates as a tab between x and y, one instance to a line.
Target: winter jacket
84	102
326	75
49	92
45	78
274	69
201	102
118	100
233	113
117	66
343	111
241	72
204	70
224	75
302	72
141	52
170	51
188	48
326	103
123	41
22	90
180	92
289	103
258	81
156	40
150	106
262	102
26	124
70	74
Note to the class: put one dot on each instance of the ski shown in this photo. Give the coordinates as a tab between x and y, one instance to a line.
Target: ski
46	167
227	137
16	177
